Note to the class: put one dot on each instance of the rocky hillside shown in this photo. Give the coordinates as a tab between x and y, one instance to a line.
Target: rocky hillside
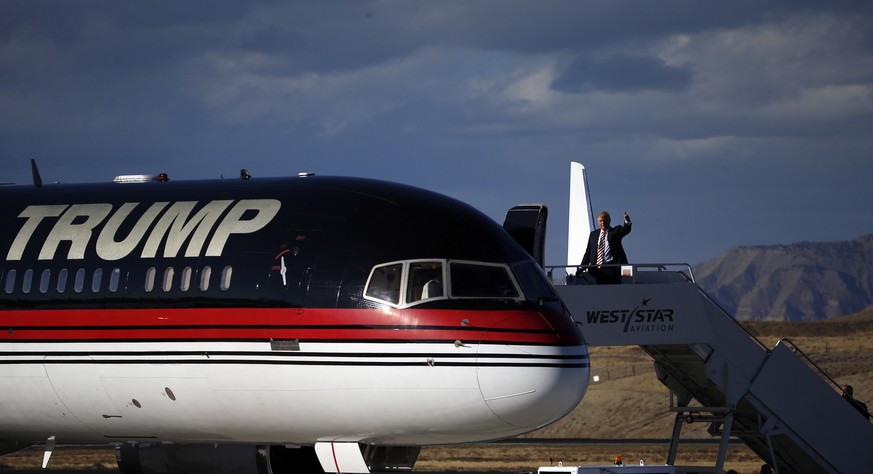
798	282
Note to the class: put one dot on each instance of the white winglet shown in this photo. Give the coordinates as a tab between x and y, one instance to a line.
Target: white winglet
581	220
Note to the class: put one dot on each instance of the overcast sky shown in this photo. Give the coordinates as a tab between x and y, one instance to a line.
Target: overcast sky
714	124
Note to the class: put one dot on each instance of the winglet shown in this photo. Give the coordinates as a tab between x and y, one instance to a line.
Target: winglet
581	221
37	181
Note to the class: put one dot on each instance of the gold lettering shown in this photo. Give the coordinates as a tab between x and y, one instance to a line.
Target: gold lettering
77	234
34	215
175	226
234	224
110	249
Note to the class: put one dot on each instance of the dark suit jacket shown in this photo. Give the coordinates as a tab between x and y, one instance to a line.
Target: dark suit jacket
613	236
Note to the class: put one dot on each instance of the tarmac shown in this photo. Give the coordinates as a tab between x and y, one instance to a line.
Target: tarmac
115	471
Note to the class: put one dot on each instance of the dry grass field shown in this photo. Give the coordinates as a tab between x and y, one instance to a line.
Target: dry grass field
528	457
63	457
628	403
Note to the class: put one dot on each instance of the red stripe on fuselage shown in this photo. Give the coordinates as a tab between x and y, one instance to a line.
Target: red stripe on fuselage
514	326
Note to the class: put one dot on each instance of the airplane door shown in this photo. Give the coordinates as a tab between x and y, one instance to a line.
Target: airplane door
291	272
526	223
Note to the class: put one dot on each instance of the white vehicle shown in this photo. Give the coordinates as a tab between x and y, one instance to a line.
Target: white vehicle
608	468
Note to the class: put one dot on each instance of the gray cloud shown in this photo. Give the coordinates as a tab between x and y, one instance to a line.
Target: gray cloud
688	114
622	73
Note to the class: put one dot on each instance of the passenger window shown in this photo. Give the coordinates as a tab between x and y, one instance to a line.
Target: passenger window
225	278
204	278
62	280
150	279
79	284
168	279
186	279
44	281
97	280
114	278
425	281
27	281
384	283
10	282
482	281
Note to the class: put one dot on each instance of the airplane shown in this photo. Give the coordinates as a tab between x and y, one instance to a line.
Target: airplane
271	325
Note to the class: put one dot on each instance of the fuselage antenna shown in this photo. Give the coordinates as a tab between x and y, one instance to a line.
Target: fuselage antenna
37	181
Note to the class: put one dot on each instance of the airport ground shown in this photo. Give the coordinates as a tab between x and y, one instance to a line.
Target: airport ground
527	457
496	458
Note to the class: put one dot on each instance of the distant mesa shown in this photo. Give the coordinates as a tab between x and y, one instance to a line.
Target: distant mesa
805	281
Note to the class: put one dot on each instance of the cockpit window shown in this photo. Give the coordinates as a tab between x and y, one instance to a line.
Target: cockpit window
476	280
384	283
425	281
413	282
533	282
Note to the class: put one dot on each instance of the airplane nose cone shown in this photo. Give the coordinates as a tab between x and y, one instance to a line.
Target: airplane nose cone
529	386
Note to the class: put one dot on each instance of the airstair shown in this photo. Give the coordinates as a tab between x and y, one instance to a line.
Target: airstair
776	400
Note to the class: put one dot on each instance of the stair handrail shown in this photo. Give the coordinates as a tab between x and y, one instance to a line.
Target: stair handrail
662	267
730	316
796	349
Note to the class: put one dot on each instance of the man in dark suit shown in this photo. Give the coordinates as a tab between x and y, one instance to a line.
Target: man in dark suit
604	248
849	395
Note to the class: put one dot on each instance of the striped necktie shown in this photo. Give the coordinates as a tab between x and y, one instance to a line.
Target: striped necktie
601	248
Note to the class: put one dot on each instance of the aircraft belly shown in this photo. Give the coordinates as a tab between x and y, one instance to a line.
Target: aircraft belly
419	393
29	404
429	401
